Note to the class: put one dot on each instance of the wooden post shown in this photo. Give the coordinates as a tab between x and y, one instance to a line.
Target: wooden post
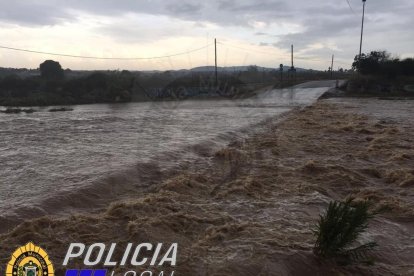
215	52
362	28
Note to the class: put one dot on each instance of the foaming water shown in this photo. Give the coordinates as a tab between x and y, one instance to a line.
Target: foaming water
48	156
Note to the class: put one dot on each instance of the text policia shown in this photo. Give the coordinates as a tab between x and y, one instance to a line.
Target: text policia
139	255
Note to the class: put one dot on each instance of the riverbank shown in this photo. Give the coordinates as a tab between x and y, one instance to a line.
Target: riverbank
252	209
374	87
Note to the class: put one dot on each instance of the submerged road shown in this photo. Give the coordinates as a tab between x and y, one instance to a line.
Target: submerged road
67	160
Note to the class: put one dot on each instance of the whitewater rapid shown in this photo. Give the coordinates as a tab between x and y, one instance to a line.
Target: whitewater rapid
48	156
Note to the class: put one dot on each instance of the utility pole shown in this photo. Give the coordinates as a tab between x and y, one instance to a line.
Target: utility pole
332	66
281	75
215	52
292	70
362	28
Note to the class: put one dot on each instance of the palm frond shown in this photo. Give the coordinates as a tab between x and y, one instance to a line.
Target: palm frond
339	228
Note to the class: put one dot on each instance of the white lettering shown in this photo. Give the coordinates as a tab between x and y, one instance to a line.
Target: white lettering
108	261
126	254
173	257
156	253
134	260
70	254
162	273
88	255
144	253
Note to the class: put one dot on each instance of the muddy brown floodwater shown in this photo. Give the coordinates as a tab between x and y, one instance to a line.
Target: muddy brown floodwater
250	208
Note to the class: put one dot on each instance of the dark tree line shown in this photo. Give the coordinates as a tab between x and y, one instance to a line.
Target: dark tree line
381	63
52	88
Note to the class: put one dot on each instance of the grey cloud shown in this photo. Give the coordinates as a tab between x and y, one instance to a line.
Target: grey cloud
219	12
32	13
321	20
136	32
322	28
133	34
184	8
222	12
252	6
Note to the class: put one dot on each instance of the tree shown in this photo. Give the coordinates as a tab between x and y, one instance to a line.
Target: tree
407	67
380	63
370	63
51	70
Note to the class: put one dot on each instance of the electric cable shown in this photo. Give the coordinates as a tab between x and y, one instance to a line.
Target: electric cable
103	58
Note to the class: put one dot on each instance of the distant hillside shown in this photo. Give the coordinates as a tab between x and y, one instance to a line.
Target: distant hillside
26	73
242	69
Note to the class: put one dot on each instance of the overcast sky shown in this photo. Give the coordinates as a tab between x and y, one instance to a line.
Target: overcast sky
248	31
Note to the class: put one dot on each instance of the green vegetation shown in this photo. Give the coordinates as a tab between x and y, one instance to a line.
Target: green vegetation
382	75
338	231
52	88
51	70
380	63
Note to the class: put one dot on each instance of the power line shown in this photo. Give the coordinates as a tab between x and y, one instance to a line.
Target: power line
103	58
159	57
349	4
